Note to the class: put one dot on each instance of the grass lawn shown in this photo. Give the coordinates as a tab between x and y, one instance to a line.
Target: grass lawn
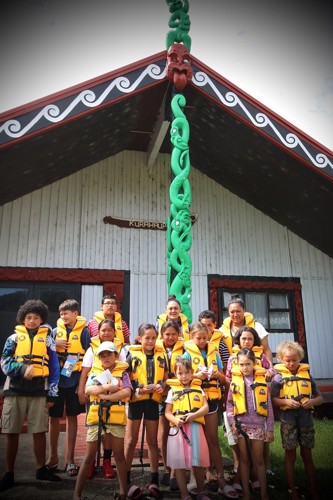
322	456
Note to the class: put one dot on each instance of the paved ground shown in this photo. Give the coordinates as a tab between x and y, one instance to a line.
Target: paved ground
28	488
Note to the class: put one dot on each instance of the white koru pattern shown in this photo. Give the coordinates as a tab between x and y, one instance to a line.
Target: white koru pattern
260	120
51	112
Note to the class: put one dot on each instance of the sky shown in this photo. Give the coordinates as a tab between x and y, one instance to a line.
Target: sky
278	52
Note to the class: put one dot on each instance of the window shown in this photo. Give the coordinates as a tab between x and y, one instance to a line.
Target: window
271	309
276	303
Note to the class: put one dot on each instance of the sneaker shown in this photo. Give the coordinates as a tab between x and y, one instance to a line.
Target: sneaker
269	472
7	481
44	474
108	472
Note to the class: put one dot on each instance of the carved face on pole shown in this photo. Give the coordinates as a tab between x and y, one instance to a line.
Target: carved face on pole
179	69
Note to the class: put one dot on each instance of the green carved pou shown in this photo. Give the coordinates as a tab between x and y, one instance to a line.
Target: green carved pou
179	224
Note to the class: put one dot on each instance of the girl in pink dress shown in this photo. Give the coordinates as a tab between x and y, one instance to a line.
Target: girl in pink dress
187	447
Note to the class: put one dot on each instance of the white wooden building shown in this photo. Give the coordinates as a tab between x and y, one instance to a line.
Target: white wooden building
262	230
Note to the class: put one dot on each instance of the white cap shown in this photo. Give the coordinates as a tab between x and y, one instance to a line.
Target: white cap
106	346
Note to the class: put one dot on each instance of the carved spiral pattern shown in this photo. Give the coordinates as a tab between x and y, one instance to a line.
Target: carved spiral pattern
179	224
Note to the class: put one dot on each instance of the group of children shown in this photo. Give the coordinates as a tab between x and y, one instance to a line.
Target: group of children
172	379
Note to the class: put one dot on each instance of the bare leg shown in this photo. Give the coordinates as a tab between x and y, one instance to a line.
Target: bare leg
71	438
54	431
118	453
215	456
151	438
164	427
39	441
306	455
289	467
12	442
199	473
132	434
259	464
244	465
181	480
89	458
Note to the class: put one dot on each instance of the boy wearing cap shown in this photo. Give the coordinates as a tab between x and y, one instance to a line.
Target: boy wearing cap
108	392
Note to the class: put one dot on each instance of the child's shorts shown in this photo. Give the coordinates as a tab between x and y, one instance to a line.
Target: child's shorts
292	435
147	408
116	430
15	408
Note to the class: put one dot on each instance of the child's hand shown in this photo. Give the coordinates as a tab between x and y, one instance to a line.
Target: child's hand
269	437
111	388
158	388
292	403
268	376
201	375
62	343
29	372
82	397
181	421
307	404
234	430
147	389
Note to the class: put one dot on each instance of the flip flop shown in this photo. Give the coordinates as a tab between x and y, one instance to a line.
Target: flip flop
135	492
238	488
227	490
72	470
255	485
53	468
154	490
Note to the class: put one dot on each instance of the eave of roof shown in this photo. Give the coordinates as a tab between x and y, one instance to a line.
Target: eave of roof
235	140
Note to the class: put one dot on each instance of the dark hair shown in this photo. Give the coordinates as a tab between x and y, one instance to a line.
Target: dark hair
173	298
185	363
238	334
144	327
248	353
69	305
109	296
108	322
198	327
207	314
32	306
170	324
236	299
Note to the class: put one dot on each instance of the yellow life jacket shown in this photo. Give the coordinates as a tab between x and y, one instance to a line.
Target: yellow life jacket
33	351
94	344
215	338
259	391
257	350
177	352
226	329
109	412
74	338
186	399
296	386
211	386
185	333
99	316
139	370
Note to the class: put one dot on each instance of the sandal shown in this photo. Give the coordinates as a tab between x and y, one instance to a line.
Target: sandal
255	485
53	468
72	470
135	492
228	491
238	488
154	490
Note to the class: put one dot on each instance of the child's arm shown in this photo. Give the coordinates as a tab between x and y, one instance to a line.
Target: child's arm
309	403
82	383
117	396
199	413
96	390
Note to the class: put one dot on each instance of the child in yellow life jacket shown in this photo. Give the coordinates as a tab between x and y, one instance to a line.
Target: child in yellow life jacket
295	392
247	337
186	406
148	372
173	347
106	333
251	417
107	391
207	366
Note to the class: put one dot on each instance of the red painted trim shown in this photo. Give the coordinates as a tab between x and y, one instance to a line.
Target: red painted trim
325	388
60	275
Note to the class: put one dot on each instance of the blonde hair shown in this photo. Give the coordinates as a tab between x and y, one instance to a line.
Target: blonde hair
198	328
288	345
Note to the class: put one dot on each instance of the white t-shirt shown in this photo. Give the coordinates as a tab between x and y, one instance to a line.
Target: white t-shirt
88	358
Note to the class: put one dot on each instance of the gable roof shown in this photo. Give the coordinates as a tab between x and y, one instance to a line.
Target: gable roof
234	140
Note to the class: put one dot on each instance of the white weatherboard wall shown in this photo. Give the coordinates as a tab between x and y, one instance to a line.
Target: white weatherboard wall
62	226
